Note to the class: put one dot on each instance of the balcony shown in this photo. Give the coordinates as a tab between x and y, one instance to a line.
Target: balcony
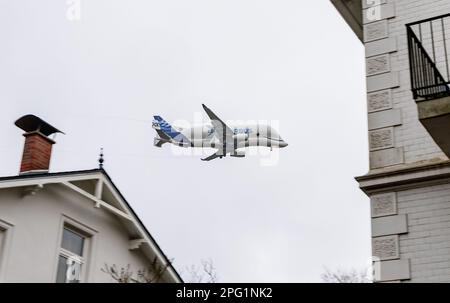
429	60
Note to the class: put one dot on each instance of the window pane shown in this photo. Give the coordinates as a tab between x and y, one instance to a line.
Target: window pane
1	240
72	242
62	270
63	267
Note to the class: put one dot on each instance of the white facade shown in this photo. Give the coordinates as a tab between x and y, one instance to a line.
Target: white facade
408	179
34	211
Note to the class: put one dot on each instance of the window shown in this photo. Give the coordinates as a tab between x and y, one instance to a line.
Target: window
72	242
2	240
71	256
5	230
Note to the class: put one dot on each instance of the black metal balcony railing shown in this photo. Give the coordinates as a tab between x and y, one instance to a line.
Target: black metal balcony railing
430	74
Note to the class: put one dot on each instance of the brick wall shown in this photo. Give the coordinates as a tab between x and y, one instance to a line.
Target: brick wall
411	135
36	153
390	101
427	243
410	228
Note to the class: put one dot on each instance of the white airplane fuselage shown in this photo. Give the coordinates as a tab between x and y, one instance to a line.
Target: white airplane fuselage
203	136
226	138
244	135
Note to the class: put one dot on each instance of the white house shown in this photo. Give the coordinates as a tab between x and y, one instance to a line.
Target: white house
65	226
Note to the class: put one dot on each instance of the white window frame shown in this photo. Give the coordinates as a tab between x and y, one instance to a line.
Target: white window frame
6	231
88	235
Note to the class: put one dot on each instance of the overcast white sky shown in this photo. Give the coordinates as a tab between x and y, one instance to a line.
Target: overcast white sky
101	79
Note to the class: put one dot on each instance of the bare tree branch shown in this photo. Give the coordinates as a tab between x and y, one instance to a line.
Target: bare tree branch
208	268
205	273
352	276
153	274
121	276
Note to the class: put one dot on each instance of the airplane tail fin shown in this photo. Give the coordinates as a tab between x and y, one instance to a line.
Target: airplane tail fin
167	132
161	126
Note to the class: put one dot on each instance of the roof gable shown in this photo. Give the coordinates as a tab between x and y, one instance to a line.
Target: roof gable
97	186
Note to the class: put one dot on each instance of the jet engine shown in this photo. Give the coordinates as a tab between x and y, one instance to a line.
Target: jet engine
241	137
238	154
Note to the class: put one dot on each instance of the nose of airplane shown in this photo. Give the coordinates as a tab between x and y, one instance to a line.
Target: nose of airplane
283	144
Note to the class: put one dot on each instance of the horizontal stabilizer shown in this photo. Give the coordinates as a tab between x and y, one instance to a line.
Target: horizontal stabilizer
213	156
158	142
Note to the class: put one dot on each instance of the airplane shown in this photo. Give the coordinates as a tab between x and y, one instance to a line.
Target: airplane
227	139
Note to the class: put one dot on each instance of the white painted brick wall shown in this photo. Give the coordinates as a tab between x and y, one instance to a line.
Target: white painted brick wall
427	244
411	135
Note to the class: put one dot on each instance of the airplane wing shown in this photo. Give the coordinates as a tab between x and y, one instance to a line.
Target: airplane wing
222	131
213	156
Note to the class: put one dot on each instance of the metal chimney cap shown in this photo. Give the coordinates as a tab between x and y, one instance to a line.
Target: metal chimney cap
30	123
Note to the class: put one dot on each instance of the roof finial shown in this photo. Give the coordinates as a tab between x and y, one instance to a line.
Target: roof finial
101	160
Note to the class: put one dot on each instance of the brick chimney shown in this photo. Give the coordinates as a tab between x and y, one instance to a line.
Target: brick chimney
37	150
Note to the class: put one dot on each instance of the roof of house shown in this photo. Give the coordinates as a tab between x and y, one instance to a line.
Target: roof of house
351	11
67	177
